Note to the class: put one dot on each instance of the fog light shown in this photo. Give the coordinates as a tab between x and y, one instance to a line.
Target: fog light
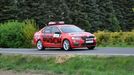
76	44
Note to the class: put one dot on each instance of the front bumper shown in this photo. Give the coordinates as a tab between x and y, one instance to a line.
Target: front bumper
82	43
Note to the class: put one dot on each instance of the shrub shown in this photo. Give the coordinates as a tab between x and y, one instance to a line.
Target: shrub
13	34
28	31
115	38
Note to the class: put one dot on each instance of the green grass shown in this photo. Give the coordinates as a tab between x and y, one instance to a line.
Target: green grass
74	65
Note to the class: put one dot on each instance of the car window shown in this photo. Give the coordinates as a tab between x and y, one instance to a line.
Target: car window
55	29
68	29
47	30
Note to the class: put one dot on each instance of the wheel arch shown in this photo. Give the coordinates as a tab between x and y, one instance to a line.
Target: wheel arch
37	41
41	41
64	40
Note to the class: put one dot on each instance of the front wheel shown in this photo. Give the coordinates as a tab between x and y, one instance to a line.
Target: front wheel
66	45
91	48
40	45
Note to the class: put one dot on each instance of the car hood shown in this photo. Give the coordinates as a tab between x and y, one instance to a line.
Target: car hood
80	34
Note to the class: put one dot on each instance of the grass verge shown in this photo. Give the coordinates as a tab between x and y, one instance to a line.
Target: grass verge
69	64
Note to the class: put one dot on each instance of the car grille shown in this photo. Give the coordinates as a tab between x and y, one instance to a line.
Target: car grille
84	37
91	37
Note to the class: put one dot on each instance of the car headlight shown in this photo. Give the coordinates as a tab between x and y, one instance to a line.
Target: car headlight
76	38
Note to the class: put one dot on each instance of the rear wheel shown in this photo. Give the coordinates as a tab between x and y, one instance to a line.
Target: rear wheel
66	45
40	45
91	48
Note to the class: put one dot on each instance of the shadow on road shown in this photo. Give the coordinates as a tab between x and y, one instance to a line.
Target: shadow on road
58	49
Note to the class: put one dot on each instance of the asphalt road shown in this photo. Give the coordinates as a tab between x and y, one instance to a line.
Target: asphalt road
82	51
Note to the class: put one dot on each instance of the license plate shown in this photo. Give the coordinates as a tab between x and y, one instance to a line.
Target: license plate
89	41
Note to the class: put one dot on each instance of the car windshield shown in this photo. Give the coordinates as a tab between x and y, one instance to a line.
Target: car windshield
69	29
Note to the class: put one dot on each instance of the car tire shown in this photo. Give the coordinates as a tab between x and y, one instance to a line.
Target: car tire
40	46
66	45
91	48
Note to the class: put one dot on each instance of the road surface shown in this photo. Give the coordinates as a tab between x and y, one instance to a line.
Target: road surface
82	51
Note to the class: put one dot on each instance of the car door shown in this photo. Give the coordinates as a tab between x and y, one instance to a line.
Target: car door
47	38
56	39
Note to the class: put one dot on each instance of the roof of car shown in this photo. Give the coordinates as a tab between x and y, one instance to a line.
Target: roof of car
62	25
58	24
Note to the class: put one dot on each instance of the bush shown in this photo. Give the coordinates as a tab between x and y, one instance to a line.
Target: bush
105	38
28	31
13	34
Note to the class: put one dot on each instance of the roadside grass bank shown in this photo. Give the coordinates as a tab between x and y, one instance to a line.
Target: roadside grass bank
69	64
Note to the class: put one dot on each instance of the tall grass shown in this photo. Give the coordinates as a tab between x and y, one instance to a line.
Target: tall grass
105	38
17	34
76	65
